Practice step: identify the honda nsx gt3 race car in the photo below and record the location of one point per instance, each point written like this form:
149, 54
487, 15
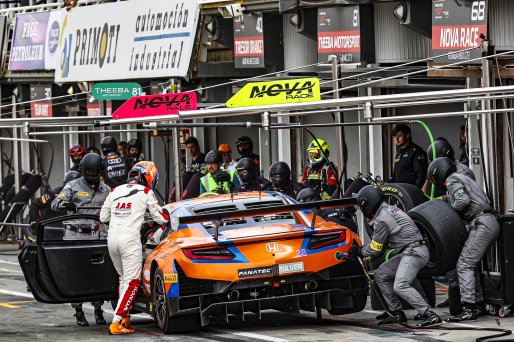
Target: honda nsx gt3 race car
220, 256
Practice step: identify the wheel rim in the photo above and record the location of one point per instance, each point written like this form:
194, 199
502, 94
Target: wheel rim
160, 300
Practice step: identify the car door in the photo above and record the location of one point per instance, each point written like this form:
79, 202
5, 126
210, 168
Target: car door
70, 261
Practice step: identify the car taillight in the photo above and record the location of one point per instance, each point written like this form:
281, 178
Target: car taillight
326, 239
209, 253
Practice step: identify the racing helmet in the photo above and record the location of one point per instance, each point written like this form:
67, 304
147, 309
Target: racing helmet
308, 195
76, 150
439, 170
244, 151
71, 175
246, 170
442, 149
369, 199
91, 167
109, 145
134, 143
213, 157
318, 149
145, 173
280, 175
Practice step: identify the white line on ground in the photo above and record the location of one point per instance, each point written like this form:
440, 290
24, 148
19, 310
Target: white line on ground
253, 335
465, 325
9, 262
15, 293
372, 311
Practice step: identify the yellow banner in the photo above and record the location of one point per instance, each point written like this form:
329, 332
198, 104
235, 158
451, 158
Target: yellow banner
276, 92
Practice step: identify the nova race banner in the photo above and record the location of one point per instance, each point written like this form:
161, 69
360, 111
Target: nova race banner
126, 40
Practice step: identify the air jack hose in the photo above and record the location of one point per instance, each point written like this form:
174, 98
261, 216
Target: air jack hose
502, 332
432, 142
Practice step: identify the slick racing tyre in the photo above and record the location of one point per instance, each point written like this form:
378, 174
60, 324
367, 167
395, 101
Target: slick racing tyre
404, 196
444, 232
167, 323
354, 188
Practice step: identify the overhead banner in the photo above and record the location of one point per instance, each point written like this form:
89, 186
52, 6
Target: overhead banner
34, 43
152, 105
276, 92
116, 91
127, 40
339, 34
41, 103
457, 26
248, 41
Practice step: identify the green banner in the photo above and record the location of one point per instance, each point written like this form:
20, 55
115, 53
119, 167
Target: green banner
116, 90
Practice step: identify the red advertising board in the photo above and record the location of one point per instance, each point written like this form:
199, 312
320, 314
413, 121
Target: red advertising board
457, 26
152, 105
41, 95
93, 108
248, 41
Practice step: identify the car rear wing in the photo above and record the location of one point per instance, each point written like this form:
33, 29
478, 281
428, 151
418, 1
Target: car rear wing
316, 206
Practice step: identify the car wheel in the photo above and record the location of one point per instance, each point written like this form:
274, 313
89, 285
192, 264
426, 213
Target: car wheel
170, 324
404, 196
359, 303
444, 232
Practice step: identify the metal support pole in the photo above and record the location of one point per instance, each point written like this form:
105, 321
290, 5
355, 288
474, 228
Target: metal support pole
176, 164
340, 157
16, 151
489, 134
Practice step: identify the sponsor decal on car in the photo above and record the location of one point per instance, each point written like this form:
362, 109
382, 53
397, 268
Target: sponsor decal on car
255, 272
293, 267
171, 278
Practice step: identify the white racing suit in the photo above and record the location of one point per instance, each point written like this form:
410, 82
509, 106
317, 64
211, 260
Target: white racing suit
124, 209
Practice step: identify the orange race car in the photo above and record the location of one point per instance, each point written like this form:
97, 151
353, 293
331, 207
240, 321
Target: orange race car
219, 256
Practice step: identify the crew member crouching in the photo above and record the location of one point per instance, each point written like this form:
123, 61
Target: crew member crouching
394, 228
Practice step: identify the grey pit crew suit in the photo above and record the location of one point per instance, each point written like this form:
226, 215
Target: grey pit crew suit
472, 204
453, 280
397, 277
125, 209
81, 193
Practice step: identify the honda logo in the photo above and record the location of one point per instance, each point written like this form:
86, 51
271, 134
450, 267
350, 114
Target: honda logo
272, 247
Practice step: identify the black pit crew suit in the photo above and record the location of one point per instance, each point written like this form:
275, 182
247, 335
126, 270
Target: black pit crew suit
81, 193
257, 184
410, 166
40, 208
115, 170
397, 277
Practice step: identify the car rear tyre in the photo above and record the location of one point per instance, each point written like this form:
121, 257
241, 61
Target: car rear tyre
404, 196
444, 232
170, 324
359, 303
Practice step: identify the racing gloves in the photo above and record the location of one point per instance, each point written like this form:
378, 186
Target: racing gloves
70, 206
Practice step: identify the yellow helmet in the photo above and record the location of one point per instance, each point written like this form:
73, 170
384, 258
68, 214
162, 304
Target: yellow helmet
315, 149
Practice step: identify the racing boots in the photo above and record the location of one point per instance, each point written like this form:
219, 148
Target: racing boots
398, 317
125, 321
117, 329
429, 319
467, 313
99, 316
382, 316
81, 319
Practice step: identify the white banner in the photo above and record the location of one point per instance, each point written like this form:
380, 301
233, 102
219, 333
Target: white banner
127, 40
52, 40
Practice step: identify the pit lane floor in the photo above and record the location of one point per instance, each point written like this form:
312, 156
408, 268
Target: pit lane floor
24, 319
